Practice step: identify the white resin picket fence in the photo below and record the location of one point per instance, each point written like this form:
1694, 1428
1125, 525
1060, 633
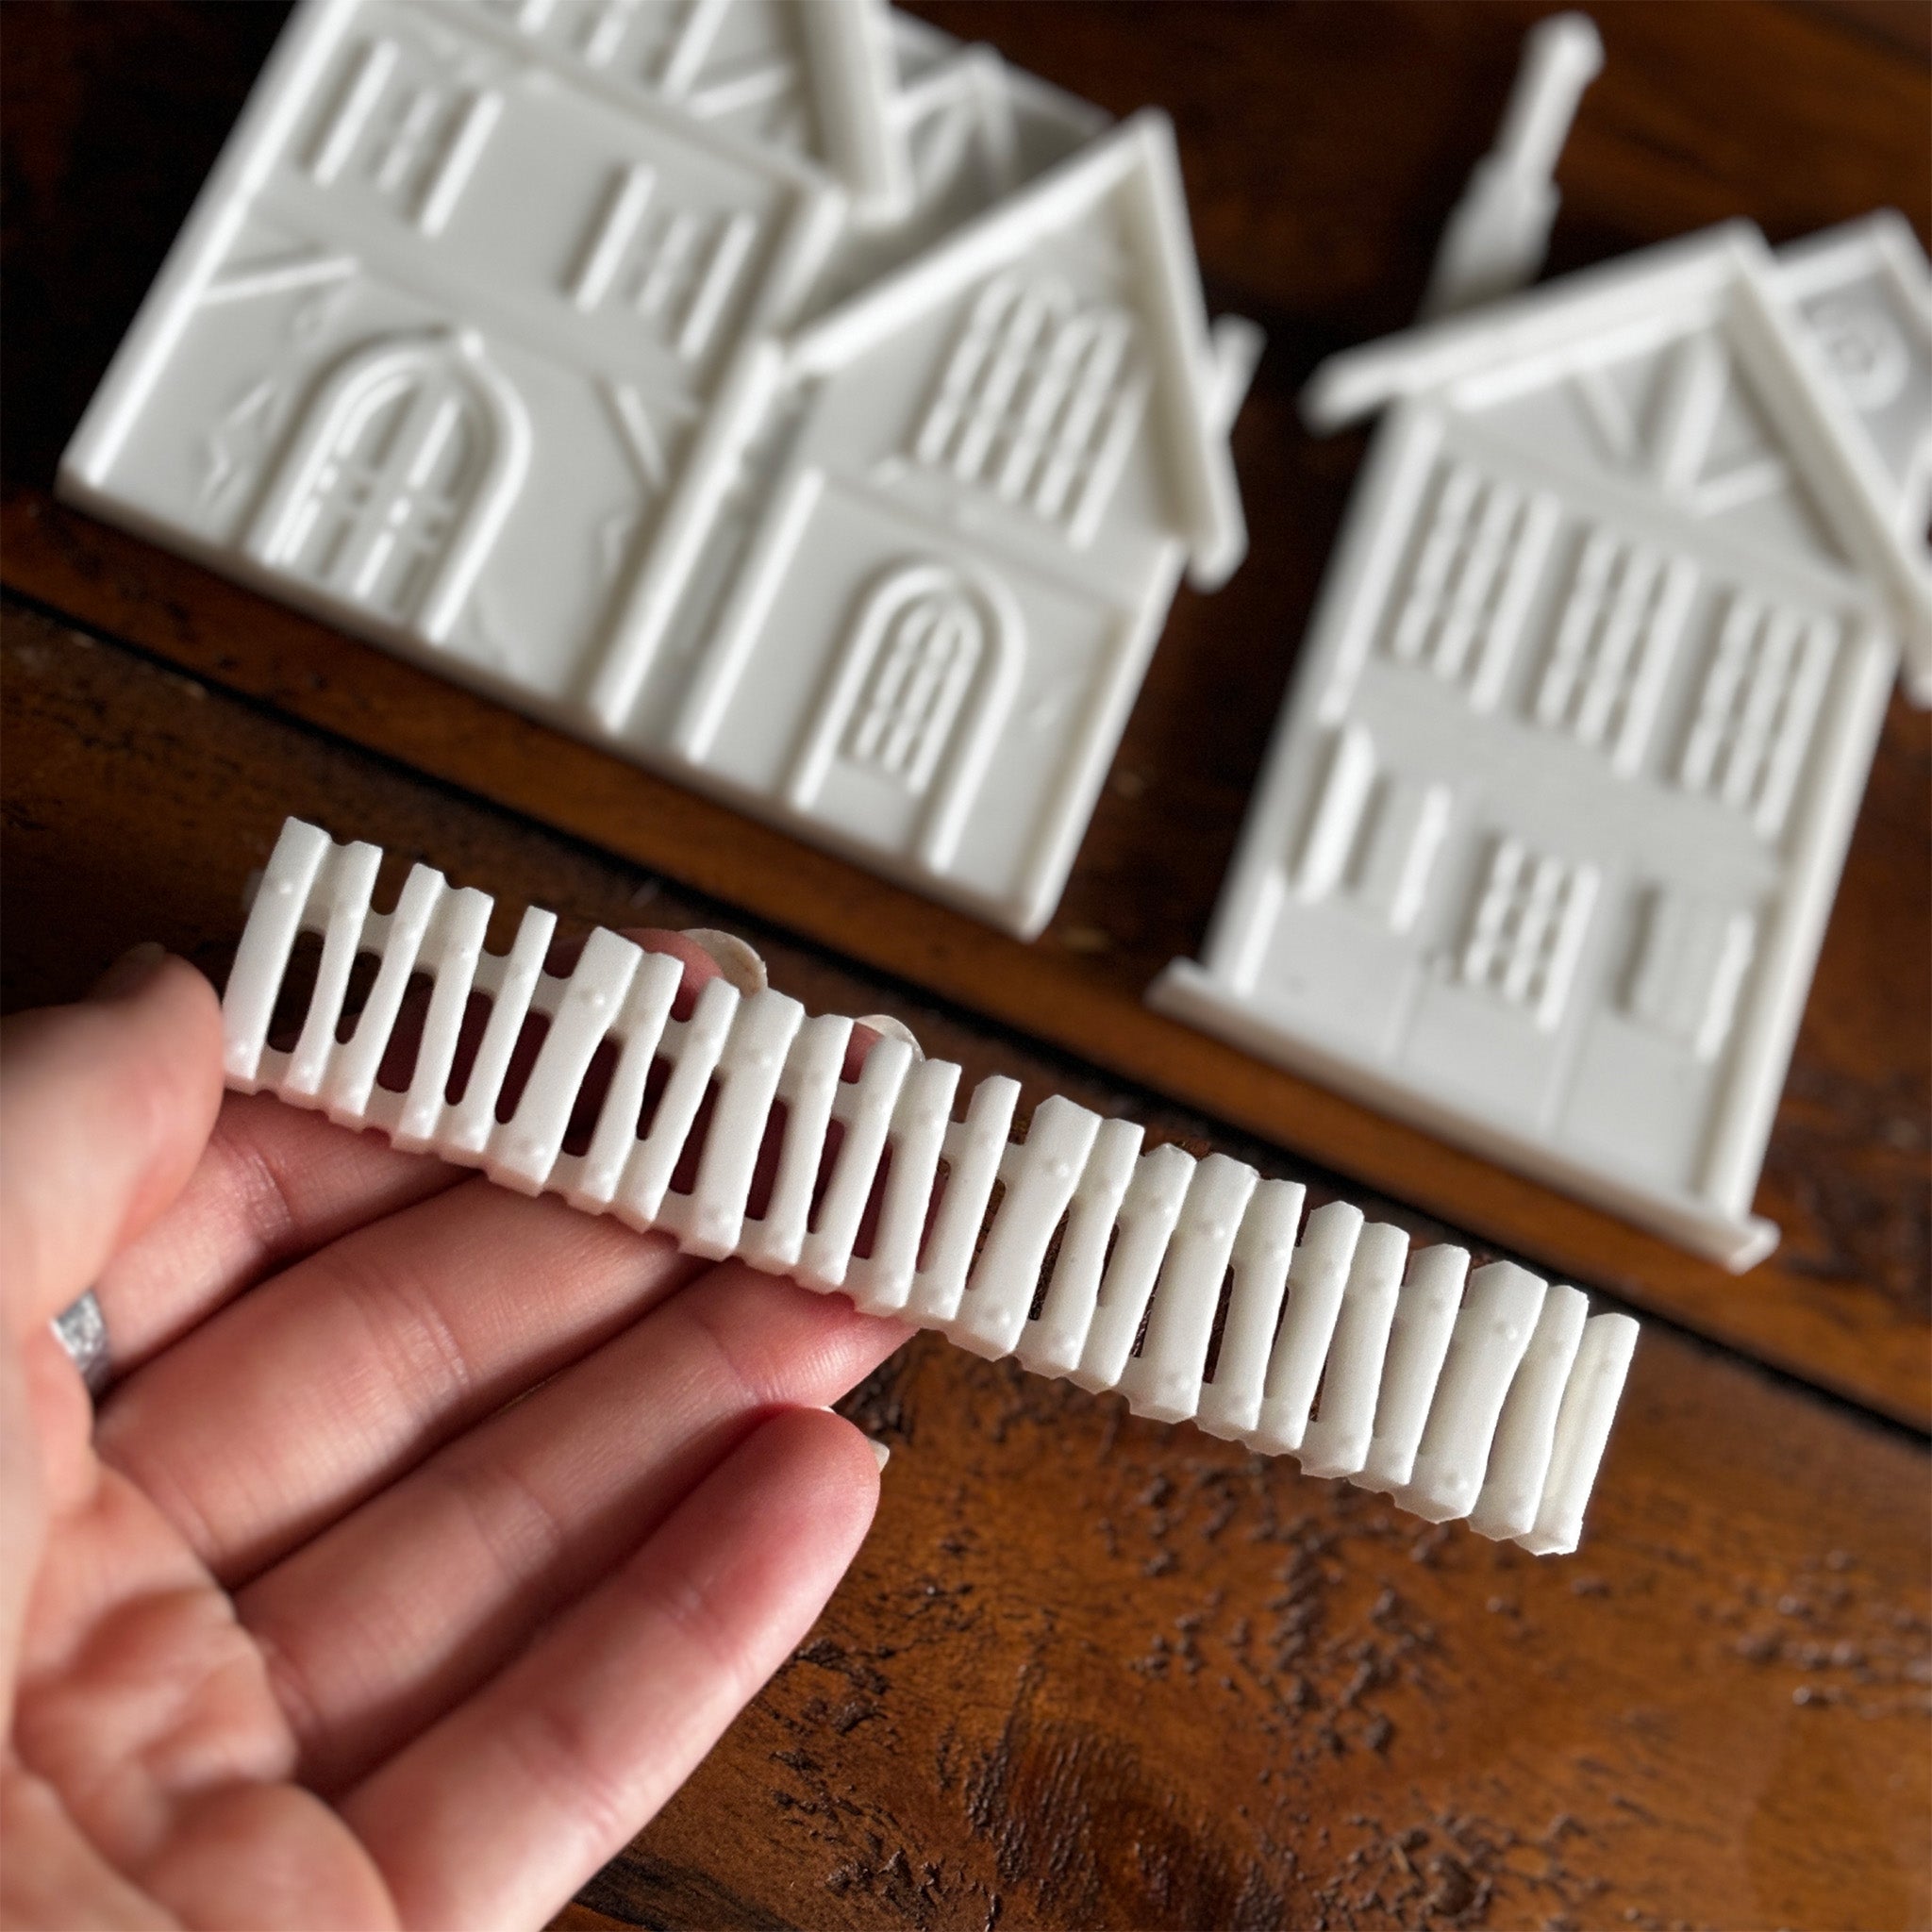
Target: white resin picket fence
1487, 1395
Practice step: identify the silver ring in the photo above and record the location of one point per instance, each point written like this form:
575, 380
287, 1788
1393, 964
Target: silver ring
81, 1331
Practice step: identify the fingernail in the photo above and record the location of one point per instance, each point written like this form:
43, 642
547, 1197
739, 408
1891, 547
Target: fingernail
880, 1452
741, 966
130, 971
894, 1029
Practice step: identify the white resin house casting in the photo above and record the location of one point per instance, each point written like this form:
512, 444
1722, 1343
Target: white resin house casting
773, 390
1546, 841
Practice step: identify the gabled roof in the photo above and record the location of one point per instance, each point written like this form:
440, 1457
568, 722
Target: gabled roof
1728, 267
1197, 385
1522, 328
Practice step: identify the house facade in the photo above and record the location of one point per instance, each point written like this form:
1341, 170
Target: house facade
1546, 841
1000, 462
515, 334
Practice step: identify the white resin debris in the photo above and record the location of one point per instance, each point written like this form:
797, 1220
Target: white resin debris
1544, 845
1178, 1282
794, 401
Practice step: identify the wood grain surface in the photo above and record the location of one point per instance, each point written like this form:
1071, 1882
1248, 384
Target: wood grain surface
1092, 1672
1087, 1672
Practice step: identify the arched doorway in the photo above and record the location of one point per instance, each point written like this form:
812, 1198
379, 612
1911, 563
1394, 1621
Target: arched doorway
920, 690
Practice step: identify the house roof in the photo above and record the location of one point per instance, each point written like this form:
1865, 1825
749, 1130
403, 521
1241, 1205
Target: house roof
1523, 327
1729, 266
1134, 166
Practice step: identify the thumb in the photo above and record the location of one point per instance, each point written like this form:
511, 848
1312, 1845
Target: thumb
104, 1109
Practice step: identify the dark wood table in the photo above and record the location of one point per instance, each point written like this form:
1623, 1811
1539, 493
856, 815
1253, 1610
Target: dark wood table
1088, 1672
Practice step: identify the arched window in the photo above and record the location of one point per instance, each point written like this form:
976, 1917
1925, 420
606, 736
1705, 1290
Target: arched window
920, 691
922, 668
397, 482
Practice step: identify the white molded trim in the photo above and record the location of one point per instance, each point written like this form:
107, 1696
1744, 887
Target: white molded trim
625, 658
281, 96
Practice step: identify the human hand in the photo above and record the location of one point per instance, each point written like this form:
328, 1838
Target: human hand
429, 1534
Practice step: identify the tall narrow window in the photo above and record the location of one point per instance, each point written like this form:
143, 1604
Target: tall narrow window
921, 669
397, 481
388, 493
1763, 690
676, 269
921, 684
1476, 561
1688, 968
414, 140
1614, 643
1039, 402
734, 65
